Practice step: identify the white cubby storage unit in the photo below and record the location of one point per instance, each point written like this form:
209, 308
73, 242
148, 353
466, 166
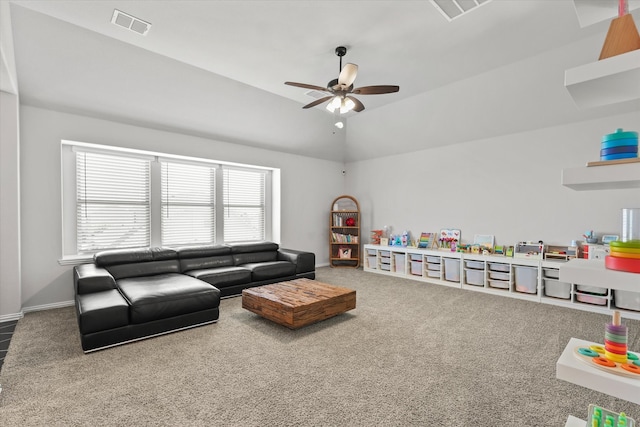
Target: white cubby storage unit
528, 279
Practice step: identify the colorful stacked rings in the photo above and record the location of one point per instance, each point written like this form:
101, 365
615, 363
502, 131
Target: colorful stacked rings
624, 256
619, 145
615, 343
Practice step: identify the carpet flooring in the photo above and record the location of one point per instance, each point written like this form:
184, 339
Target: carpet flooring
410, 354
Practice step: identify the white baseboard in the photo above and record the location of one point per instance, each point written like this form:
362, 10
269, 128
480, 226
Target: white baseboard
11, 317
47, 306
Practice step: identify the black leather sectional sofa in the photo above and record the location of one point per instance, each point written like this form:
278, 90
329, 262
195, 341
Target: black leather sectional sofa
131, 294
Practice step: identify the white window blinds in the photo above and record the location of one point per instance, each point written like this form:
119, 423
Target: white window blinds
112, 202
244, 205
188, 204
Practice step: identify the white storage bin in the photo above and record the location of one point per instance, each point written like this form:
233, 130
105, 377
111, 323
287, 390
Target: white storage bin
494, 266
557, 289
434, 274
526, 279
400, 262
433, 267
416, 268
372, 261
551, 273
385, 260
433, 259
478, 265
498, 275
500, 284
627, 300
474, 277
591, 299
386, 267
385, 253
371, 252
415, 257
592, 289
452, 270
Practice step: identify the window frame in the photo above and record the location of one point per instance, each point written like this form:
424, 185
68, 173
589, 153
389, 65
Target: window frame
68, 177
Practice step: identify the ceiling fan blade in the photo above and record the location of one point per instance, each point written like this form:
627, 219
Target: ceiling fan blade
306, 86
375, 90
348, 75
318, 101
359, 106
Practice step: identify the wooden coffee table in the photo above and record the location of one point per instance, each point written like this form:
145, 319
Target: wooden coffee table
299, 302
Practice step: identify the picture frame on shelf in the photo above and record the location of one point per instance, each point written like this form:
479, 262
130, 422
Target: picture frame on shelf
449, 237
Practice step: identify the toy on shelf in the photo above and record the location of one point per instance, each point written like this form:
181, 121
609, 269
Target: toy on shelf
376, 235
449, 239
531, 250
590, 237
615, 340
563, 253
601, 417
624, 256
614, 357
426, 240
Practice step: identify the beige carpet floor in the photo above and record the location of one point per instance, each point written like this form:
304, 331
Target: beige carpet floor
410, 354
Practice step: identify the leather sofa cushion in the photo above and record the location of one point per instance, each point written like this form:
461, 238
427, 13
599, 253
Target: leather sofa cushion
100, 311
206, 263
241, 248
187, 252
138, 262
270, 270
223, 277
167, 295
88, 278
128, 256
204, 257
254, 257
138, 269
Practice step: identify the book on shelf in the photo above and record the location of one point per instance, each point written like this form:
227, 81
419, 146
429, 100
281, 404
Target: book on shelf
343, 238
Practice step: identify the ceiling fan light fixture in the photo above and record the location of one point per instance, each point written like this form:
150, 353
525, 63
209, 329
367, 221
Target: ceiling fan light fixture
347, 105
343, 104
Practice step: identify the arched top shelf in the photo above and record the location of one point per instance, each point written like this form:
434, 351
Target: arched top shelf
345, 203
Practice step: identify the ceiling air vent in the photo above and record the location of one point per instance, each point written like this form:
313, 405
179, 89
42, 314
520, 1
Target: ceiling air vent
452, 9
316, 94
130, 22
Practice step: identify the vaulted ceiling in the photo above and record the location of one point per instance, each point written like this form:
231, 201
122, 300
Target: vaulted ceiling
216, 69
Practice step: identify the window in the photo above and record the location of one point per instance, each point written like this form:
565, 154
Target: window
244, 213
112, 202
118, 198
188, 204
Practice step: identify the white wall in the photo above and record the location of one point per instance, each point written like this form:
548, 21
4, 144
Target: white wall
308, 187
508, 186
10, 304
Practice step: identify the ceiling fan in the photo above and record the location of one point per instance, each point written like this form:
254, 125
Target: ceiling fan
341, 89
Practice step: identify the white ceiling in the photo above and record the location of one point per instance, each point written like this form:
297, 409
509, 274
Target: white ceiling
216, 69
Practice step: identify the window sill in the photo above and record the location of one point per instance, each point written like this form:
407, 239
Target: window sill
75, 259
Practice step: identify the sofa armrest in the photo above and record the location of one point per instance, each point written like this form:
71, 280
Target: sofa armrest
305, 261
87, 279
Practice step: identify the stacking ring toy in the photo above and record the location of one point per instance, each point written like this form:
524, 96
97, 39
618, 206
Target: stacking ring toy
631, 368
631, 356
603, 362
588, 352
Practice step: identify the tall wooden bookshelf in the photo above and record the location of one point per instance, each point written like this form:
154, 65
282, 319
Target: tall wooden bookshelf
344, 232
